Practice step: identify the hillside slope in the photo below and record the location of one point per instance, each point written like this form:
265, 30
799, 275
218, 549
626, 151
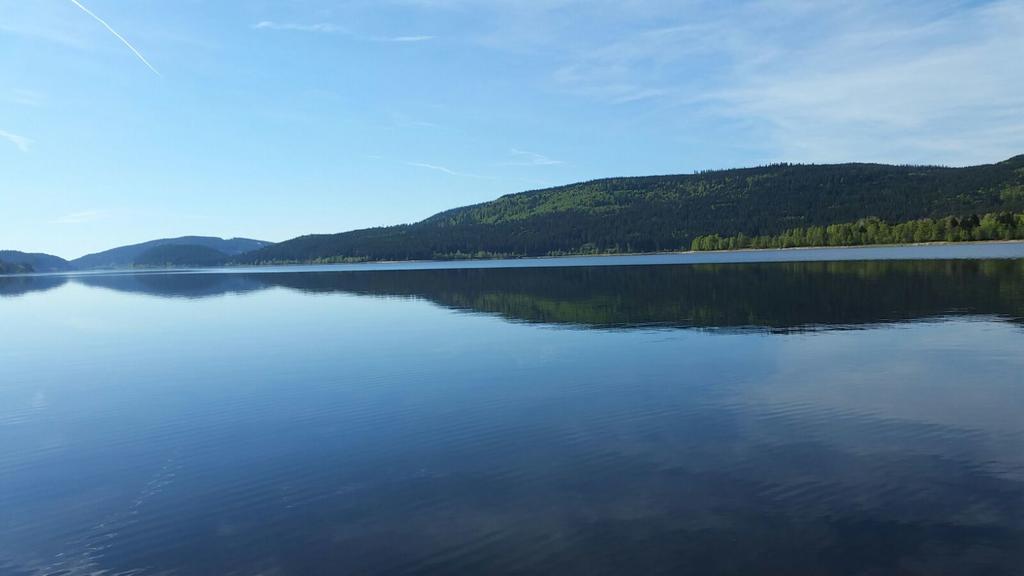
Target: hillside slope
180, 255
9, 268
654, 213
37, 262
127, 256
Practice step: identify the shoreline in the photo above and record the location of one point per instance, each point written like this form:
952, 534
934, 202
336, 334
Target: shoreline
850, 246
740, 255
621, 254
471, 261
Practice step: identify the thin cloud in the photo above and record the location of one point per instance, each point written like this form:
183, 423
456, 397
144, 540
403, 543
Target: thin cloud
79, 217
119, 37
903, 87
820, 82
406, 39
443, 169
21, 142
635, 94
527, 158
400, 120
26, 98
329, 28
321, 27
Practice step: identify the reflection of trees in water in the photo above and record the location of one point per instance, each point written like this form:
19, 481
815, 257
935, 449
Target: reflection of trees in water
18, 285
777, 296
176, 284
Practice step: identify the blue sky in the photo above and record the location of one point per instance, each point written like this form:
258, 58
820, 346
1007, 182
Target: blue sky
275, 118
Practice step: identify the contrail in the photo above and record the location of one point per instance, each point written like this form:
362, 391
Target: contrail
119, 37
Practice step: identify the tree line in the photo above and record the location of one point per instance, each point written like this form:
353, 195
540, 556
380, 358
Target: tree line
868, 231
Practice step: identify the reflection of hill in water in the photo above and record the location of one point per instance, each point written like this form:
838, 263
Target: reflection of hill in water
776, 296
176, 285
18, 285
165, 285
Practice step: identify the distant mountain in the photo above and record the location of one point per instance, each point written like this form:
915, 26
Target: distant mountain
201, 248
656, 213
180, 255
37, 262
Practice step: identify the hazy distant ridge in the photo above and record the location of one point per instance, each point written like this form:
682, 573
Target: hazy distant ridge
202, 248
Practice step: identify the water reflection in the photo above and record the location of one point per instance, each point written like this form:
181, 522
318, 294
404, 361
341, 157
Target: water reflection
11, 286
774, 296
365, 423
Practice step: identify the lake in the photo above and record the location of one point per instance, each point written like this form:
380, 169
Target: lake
857, 414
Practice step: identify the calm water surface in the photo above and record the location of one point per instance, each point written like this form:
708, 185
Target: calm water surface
742, 418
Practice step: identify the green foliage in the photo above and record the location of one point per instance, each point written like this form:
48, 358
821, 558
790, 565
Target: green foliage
1012, 193
660, 213
867, 231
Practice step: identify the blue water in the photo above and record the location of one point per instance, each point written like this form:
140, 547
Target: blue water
770, 418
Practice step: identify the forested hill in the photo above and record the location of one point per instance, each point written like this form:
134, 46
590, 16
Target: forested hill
35, 262
8, 268
656, 213
179, 255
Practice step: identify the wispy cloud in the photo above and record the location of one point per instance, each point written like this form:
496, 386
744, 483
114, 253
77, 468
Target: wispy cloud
527, 158
405, 38
444, 170
885, 83
21, 142
26, 98
321, 27
80, 217
401, 120
914, 81
118, 36
330, 28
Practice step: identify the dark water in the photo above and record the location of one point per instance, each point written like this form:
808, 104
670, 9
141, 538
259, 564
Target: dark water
775, 418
